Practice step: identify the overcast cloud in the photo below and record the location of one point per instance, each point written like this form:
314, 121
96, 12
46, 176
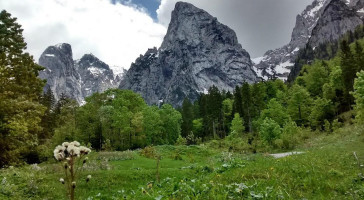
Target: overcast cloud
118, 34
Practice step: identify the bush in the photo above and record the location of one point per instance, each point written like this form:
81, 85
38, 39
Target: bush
149, 152
192, 140
327, 126
269, 130
289, 135
177, 155
107, 145
181, 141
336, 125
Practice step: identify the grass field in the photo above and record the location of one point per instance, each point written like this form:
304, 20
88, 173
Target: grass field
327, 170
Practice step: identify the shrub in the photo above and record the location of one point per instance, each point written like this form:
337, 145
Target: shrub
269, 130
181, 140
192, 140
289, 136
149, 152
336, 125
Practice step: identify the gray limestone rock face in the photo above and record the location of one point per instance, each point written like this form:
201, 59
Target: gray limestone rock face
197, 53
75, 79
96, 75
60, 72
337, 19
322, 21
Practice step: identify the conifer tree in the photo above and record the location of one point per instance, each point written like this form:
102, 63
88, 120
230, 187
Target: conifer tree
187, 117
20, 89
237, 127
359, 56
238, 105
247, 105
348, 71
359, 97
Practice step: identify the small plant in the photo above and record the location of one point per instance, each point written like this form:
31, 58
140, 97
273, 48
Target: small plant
74, 158
181, 141
192, 140
176, 155
148, 152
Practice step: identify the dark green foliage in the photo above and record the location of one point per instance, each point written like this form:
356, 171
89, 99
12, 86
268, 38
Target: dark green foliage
238, 99
187, 117
247, 105
48, 122
20, 89
359, 97
122, 120
348, 69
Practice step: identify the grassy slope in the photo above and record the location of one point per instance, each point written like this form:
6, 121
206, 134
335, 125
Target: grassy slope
327, 170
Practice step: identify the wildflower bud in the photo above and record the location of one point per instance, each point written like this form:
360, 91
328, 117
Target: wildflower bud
73, 184
61, 180
88, 178
65, 165
84, 161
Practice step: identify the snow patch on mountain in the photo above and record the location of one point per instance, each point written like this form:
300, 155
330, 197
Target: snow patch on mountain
96, 71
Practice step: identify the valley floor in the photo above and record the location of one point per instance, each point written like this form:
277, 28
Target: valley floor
327, 170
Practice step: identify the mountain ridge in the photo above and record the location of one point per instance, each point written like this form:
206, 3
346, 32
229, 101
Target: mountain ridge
311, 30
76, 79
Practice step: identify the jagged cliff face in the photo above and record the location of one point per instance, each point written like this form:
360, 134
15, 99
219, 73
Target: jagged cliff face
322, 21
96, 76
60, 72
337, 19
76, 79
197, 53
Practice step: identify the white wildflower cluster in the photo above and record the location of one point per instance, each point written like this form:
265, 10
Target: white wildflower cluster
70, 149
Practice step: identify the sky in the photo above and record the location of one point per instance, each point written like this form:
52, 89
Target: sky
118, 31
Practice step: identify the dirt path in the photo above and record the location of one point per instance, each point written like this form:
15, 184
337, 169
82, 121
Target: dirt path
281, 155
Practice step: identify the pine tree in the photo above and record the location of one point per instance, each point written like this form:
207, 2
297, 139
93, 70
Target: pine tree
187, 117
49, 118
20, 89
359, 56
238, 101
348, 71
258, 97
214, 110
247, 105
299, 104
359, 97
237, 126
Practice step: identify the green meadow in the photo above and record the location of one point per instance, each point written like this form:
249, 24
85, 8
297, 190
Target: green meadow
327, 169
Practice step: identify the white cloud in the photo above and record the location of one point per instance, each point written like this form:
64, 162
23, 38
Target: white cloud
117, 34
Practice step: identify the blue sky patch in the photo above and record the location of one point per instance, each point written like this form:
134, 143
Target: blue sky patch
150, 5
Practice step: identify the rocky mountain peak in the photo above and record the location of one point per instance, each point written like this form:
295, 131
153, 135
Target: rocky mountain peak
194, 26
197, 52
75, 79
322, 21
89, 60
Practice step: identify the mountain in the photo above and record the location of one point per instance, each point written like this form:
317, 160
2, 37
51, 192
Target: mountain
76, 79
322, 21
196, 53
